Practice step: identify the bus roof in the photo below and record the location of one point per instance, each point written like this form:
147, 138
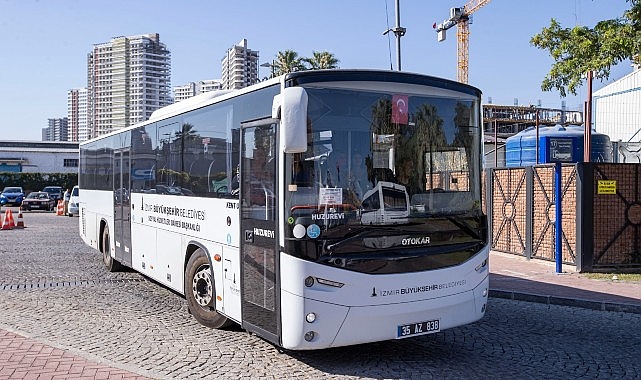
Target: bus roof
313, 76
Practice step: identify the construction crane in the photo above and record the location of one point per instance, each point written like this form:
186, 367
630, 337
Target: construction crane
461, 18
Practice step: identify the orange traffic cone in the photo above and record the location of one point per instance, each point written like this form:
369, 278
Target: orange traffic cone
20, 221
8, 222
60, 210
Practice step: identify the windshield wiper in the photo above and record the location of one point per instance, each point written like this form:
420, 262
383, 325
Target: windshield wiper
360, 234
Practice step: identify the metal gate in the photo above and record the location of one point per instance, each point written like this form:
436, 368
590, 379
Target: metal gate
522, 211
507, 209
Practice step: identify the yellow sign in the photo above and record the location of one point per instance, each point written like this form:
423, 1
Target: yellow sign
606, 187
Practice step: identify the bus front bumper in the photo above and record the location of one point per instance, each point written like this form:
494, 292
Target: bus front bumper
335, 325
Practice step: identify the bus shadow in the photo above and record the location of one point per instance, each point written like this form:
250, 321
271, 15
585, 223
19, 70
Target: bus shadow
394, 359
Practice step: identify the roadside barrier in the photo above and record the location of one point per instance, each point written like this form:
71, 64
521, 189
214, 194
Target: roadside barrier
60, 210
20, 220
8, 223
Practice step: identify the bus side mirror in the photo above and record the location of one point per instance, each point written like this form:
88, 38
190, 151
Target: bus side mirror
290, 106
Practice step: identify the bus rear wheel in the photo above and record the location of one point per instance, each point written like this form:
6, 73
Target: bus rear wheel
200, 292
110, 263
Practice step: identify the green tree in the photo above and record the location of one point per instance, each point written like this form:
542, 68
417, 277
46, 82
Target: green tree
581, 49
321, 60
286, 62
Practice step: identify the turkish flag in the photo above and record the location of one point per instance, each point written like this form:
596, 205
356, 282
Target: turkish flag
399, 109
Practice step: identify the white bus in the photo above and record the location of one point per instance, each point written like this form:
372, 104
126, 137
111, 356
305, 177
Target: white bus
386, 203
245, 203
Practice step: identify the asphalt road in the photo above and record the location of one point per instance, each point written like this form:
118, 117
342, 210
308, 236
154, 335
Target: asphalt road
54, 288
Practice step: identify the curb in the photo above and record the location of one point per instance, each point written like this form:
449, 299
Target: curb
562, 301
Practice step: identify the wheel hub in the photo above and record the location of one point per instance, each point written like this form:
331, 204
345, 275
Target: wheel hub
202, 287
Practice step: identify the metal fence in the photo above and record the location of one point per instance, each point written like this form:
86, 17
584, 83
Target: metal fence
609, 221
521, 211
601, 214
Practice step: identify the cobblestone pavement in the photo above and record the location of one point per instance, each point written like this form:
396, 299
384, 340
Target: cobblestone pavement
54, 289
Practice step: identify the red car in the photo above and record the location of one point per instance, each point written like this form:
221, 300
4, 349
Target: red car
38, 200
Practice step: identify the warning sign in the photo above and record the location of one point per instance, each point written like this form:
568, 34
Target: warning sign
606, 187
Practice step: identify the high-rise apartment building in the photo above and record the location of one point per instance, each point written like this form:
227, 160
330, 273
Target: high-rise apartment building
195, 88
127, 79
77, 115
57, 130
239, 67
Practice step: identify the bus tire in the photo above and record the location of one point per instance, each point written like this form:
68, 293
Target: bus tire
201, 293
111, 264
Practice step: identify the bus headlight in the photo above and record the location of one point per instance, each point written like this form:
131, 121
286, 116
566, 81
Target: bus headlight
335, 284
310, 317
309, 336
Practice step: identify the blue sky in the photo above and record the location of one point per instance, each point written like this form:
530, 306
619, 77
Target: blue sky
45, 43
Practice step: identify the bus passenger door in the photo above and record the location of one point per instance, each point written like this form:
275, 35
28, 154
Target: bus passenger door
122, 208
260, 280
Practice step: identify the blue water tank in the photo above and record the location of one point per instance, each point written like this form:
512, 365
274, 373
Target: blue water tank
556, 144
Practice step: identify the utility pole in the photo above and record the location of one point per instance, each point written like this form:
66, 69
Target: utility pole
398, 32
587, 134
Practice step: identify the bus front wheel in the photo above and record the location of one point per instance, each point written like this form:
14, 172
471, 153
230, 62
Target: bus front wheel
110, 263
200, 292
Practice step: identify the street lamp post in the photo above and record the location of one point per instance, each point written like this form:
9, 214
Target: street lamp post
398, 32
271, 67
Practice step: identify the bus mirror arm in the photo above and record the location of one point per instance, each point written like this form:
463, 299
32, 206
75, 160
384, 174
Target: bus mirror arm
290, 106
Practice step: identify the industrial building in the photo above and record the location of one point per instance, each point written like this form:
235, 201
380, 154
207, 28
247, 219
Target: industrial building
617, 113
617, 108
38, 157
503, 121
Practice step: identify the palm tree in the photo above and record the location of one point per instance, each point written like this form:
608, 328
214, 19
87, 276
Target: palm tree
286, 62
321, 60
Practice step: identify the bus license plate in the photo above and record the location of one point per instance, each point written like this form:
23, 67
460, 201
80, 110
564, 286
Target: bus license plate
418, 328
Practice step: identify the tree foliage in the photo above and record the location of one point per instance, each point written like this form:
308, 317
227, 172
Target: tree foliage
580, 49
321, 60
37, 181
288, 61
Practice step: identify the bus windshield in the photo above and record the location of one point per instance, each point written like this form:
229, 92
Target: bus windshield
384, 170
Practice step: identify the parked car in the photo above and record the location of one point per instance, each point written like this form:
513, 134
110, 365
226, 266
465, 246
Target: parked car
11, 196
55, 192
38, 200
73, 207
